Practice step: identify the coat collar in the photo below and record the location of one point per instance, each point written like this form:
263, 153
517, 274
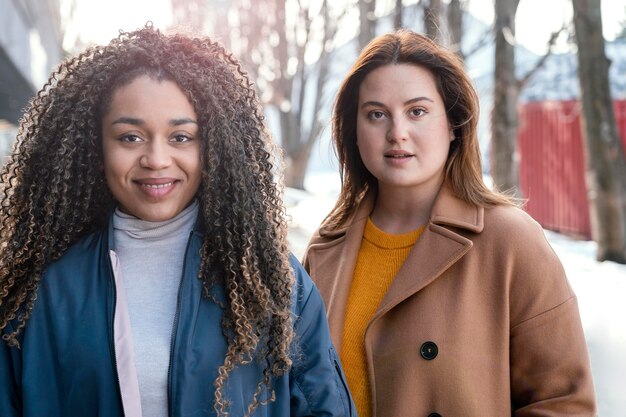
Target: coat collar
448, 210
440, 246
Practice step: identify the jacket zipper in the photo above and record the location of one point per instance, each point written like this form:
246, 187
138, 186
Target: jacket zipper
174, 329
117, 375
345, 387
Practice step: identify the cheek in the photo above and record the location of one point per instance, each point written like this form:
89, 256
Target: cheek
116, 166
366, 137
193, 166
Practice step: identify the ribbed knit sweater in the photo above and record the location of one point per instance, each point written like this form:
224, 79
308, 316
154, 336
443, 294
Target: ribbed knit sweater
380, 257
151, 256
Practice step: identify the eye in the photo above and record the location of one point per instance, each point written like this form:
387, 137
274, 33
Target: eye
130, 139
181, 138
375, 115
417, 112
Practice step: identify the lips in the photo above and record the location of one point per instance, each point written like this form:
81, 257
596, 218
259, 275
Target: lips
156, 187
167, 184
398, 154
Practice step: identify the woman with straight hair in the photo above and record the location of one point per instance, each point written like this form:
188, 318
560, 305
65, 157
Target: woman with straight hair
443, 297
144, 268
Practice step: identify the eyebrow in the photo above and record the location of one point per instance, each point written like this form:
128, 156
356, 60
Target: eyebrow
411, 101
138, 122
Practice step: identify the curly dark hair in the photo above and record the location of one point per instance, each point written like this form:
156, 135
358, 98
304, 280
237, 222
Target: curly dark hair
53, 190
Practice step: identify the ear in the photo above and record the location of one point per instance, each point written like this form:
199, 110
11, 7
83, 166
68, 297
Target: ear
451, 131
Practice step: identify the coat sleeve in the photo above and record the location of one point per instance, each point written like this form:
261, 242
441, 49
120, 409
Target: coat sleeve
318, 385
10, 402
550, 373
550, 369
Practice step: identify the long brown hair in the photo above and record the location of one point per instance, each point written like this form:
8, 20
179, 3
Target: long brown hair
53, 190
463, 171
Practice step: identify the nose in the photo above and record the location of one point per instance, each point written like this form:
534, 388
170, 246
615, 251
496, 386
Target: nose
398, 130
156, 156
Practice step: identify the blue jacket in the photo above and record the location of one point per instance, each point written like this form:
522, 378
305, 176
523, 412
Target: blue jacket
74, 357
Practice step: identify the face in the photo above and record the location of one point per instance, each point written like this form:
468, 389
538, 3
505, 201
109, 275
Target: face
151, 149
403, 134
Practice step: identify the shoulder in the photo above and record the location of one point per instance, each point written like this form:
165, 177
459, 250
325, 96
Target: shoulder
83, 256
514, 231
510, 217
518, 249
303, 283
510, 232
324, 237
329, 234
304, 287
308, 305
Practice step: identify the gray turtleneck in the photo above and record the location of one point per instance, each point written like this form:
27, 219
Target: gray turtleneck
151, 256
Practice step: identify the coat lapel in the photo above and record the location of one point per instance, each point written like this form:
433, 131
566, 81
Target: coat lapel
335, 263
437, 249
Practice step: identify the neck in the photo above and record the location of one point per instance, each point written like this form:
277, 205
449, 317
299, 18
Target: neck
400, 210
136, 228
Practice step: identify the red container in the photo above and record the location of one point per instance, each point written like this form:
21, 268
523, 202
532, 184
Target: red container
552, 164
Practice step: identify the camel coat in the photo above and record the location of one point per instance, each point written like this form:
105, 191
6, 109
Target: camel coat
479, 321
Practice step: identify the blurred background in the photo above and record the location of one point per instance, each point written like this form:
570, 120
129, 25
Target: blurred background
551, 77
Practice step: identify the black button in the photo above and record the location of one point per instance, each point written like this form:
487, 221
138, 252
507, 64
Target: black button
429, 351
434, 415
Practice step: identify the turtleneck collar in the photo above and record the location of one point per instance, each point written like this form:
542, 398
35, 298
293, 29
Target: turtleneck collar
136, 228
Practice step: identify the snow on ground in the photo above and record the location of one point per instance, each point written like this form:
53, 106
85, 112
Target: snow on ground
600, 287
601, 291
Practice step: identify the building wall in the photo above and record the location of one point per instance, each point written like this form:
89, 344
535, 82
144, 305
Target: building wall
15, 37
30, 47
30, 35
552, 164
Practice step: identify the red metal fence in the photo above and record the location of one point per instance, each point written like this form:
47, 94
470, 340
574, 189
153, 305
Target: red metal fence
552, 164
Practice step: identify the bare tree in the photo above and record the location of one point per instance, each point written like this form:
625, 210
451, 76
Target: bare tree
432, 19
506, 91
286, 49
606, 163
507, 88
367, 18
455, 25
455, 30
397, 14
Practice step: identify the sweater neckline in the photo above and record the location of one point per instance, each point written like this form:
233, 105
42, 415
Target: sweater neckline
142, 229
386, 240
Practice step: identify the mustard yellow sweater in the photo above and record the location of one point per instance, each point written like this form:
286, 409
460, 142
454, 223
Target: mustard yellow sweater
380, 257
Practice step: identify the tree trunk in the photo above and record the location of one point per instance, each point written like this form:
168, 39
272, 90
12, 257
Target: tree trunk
432, 21
506, 90
397, 15
367, 19
455, 26
606, 163
295, 170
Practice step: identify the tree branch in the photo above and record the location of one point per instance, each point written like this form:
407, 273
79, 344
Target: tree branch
541, 62
482, 41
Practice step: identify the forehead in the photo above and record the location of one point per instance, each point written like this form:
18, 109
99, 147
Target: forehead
398, 80
146, 93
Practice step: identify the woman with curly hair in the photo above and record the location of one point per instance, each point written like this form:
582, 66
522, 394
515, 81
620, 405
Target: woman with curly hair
444, 299
144, 269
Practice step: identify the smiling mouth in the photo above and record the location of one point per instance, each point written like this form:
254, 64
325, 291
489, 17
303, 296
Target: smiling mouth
155, 186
